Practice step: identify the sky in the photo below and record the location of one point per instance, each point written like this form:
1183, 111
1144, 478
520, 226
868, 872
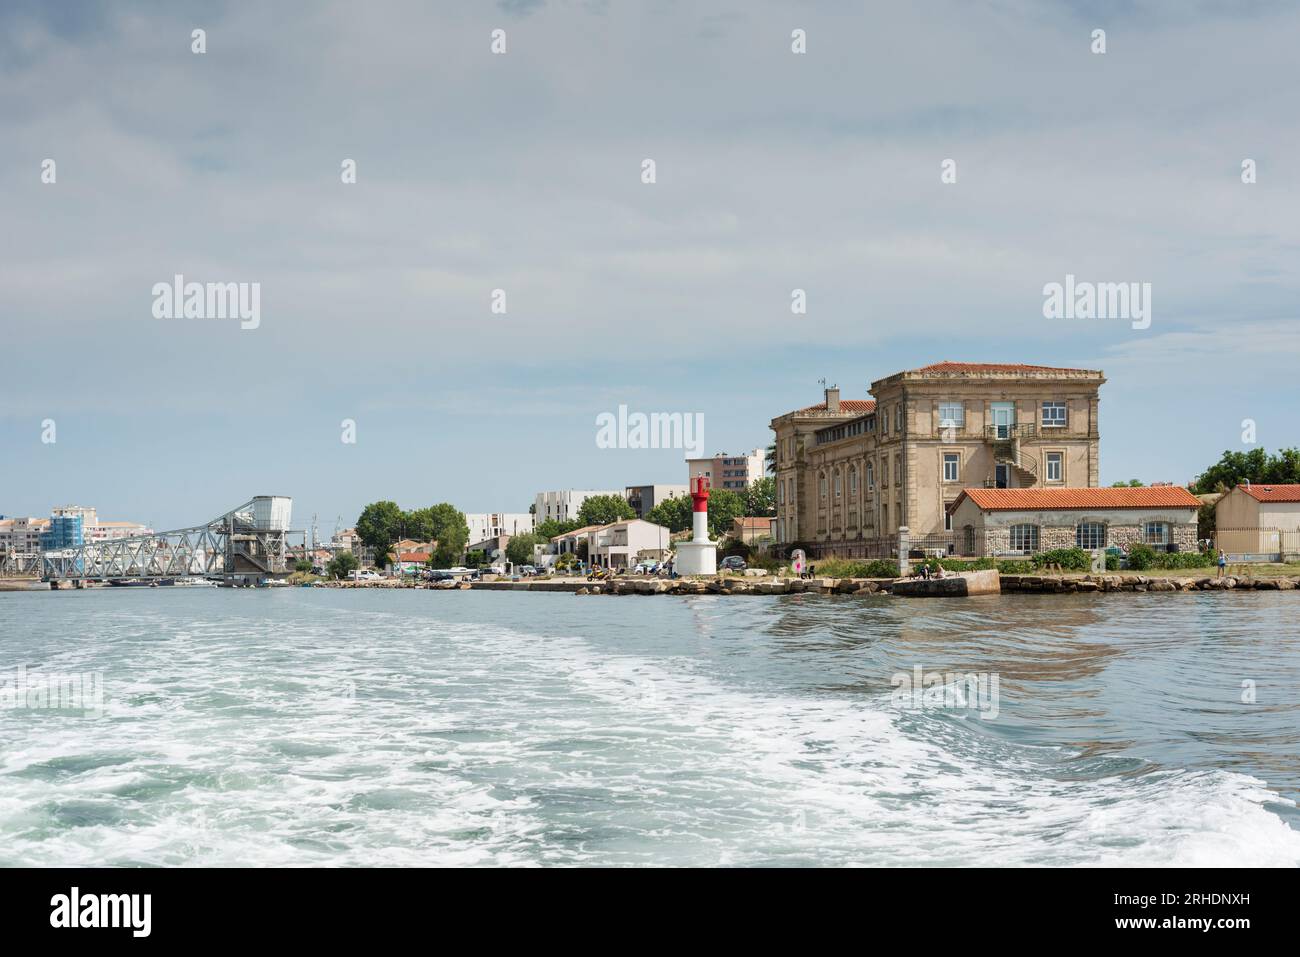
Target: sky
523, 172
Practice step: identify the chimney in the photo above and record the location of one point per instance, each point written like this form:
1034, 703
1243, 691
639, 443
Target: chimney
833, 399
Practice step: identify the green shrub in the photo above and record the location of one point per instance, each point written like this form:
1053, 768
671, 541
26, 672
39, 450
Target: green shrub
1112, 563
1141, 557
1016, 566
1184, 560
1070, 559
851, 568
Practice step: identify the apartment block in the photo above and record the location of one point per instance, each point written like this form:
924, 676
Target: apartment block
643, 498
734, 472
563, 505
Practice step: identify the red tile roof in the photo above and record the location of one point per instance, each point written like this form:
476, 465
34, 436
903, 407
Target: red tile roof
1272, 493
846, 405
992, 367
414, 557
1044, 499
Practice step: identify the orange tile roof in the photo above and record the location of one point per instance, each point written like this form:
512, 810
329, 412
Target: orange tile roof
413, 557
1272, 493
846, 405
576, 531
1043, 499
992, 367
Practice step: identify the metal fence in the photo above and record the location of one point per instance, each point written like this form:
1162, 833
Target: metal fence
1259, 544
964, 544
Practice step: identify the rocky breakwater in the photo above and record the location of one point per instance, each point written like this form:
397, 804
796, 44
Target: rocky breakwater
1136, 583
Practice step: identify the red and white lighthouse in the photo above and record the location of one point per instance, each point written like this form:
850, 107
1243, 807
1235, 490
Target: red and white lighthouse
699, 556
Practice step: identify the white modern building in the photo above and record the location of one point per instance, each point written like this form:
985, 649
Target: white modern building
563, 506
619, 545
485, 525
733, 472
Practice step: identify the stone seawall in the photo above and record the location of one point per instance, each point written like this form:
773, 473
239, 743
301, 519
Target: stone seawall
964, 585
1109, 583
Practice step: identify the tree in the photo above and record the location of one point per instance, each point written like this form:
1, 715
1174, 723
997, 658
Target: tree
341, 565
672, 513
1255, 466
1131, 483
769, 459
724, 507
604, 509
520, 548
552, 527
302, 565
760, 497
379, 525
449, 529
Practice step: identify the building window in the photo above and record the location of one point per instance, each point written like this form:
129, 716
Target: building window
952, 415
1024, 538
1055, 466
950, 466
1090, 535
1053, 415
871, 476
1156, 533
837, 483
898, 417
947, 518
884, 517
853, 481
898, 470
823, 487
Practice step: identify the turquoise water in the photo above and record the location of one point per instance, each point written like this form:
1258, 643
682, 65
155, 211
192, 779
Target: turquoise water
312, 726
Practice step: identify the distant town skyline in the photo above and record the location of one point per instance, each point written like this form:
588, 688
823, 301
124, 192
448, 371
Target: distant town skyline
775, 172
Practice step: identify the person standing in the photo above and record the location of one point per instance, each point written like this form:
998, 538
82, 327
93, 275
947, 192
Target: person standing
1223, 563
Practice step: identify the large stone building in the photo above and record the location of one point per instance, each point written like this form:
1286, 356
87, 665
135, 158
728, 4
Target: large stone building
850, 472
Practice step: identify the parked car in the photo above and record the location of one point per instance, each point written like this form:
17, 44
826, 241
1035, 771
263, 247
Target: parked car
732, 563
367, 576
527, 570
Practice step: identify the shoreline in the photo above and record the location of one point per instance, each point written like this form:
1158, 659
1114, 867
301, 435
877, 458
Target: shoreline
1008, 584
962, 585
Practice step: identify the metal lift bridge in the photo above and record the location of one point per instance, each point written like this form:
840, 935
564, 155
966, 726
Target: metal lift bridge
243, 546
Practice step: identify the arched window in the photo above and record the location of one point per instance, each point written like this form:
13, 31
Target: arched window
1024, 538
1090, 535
